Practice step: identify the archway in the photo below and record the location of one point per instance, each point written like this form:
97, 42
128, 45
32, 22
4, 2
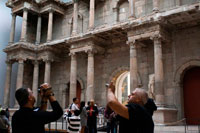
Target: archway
191, 91
78, 92
123, 87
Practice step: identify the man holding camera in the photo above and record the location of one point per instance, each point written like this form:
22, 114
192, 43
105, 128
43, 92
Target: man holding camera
28, 120
133, 118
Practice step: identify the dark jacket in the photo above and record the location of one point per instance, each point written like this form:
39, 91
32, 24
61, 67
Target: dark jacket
150, 106
26, 120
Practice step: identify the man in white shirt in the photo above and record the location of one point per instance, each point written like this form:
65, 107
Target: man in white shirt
75, 105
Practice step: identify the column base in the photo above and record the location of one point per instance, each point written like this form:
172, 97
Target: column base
165, 116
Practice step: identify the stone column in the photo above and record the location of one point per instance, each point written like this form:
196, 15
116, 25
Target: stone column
50, 26
115, 14
24, 25
178, 2
75, 18
73, 77
90, 76
156, 5
133, 66
158, 70
7, 83
47, 73
20, 74
92, 13
132, 8
38, 34
12, 32
35, 78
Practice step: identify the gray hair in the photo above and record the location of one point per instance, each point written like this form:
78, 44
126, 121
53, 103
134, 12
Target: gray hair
142, 95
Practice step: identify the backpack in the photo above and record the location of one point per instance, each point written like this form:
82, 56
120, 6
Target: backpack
70, 113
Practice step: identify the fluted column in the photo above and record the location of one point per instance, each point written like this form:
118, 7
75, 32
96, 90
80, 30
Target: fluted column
156, 5
75, 17
35, 78
24, 25
132, 8
92, 13
7, 83
158, 69
12, 32
38, 34
20, 73
133, 66
50, 26
47, 73
90, 76
73, 77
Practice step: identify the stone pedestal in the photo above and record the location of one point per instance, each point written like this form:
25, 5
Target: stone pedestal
165, 116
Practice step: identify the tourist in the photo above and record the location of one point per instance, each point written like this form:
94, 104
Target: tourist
4, 122
74, 122
74, 105
133, 118
110, 115
28, 120
92, 112
83, 116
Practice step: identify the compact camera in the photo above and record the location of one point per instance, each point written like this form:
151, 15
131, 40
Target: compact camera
43, 90
107, 85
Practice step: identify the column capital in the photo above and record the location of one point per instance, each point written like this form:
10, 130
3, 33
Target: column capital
156, 37
9, 62
13, 14
91, 52
50, 10
48, 60
25, 9
35, 62
21, 61
134, 44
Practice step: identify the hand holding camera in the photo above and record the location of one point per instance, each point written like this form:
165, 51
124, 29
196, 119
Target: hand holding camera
45, 90
111, 86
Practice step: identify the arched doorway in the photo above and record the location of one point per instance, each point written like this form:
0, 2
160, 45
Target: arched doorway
123, 87
78, 91
191, 92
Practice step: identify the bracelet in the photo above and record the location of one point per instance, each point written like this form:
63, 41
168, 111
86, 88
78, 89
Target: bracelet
43, 102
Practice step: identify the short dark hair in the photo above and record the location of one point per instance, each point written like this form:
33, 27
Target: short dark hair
74, 99
3, 112
77, 112
22, 96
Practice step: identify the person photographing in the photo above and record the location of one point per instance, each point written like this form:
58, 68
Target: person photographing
28, 120
133, 117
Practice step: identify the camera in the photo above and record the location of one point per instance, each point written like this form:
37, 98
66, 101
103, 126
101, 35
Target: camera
107, 85
42, 89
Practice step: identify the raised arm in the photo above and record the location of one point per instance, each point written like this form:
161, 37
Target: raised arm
114, 104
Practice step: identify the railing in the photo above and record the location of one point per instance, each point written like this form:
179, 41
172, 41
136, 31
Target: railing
181, 126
